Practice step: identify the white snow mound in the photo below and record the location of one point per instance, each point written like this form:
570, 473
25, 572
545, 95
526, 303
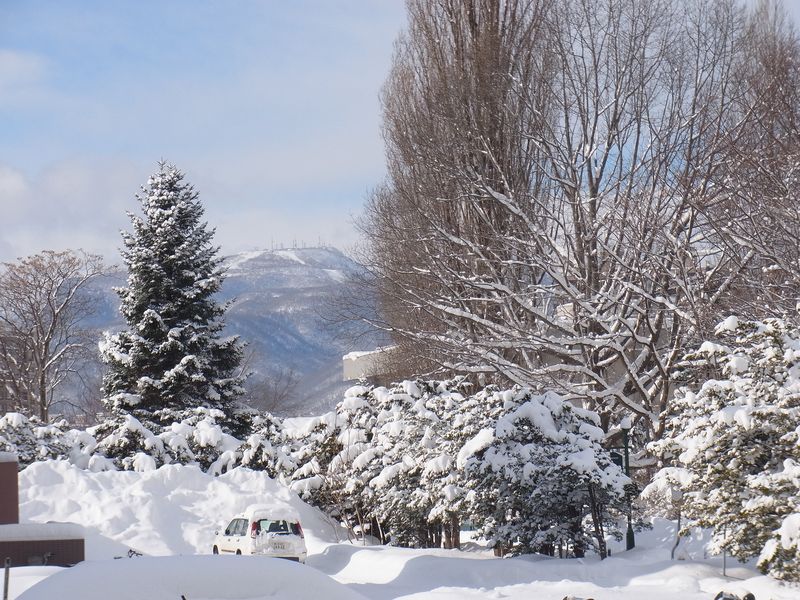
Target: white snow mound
173, 510
168, 578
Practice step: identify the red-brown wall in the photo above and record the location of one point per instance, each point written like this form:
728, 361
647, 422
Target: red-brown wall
9, 493
59, 553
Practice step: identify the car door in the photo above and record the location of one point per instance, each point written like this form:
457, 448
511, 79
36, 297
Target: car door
242, 540
229, 541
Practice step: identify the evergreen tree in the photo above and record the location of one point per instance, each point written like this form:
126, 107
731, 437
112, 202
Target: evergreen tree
737, 437
172, 356
539, 473
405, 433
326, 474
32, 440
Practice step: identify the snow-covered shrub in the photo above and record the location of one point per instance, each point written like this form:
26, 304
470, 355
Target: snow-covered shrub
266, 449
409, 463
410, 471
664, 495
324, 455
125, 441
780, 491
406, 437
198, 436
195, 436
738, 439
460, 417
538, 473
31, 440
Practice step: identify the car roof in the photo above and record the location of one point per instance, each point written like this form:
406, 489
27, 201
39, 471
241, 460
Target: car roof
273, 512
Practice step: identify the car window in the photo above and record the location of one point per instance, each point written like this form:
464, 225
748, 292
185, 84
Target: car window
231, 528
271, 526
242, 528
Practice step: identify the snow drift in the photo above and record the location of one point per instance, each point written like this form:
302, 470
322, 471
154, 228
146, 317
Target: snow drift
168, 578
172, 510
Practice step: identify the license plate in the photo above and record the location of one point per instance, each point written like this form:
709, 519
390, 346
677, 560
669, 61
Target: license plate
279, 546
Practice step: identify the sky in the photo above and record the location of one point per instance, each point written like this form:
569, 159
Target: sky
270, 107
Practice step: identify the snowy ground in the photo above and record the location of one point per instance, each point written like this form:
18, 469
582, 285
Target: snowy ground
174, 512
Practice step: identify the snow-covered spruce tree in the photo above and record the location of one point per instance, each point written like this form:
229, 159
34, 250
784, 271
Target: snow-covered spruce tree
325, 451
738, 438
172, 357
407, 434
536, 476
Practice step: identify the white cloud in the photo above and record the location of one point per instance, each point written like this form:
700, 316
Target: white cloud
272, 111
20, 67
13, 187
68, 205
84, 204
21, 77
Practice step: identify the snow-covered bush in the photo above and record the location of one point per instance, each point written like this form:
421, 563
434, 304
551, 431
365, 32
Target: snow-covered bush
31, 440
195, 436
198, 436
536, 476
381, 462
406, 453
411, 462
738, 437
266, 447
325, 451
413, 474
129, 445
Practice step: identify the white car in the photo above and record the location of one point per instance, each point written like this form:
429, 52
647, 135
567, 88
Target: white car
263, 530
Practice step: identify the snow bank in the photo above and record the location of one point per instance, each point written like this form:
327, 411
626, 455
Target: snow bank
23, 578
193, 577
172, 510
646, 572
173, 507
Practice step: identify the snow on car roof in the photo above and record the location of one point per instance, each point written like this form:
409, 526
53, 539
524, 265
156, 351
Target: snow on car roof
272, 511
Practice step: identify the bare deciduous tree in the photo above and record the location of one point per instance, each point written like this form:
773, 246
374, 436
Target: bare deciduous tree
273, 392
552, 168
42, 312
757, 214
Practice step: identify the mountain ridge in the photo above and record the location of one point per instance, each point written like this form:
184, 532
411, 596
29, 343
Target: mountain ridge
277, 300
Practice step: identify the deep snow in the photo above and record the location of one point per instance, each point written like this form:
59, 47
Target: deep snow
175, 511
193, 577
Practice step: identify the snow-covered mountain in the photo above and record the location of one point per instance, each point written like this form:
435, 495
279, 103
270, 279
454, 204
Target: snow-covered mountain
280, 304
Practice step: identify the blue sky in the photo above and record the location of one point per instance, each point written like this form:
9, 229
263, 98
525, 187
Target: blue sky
270, 106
